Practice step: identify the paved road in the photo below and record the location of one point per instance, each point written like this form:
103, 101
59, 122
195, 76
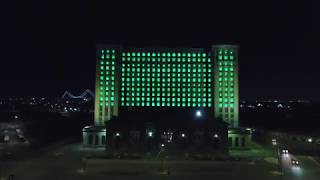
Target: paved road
64, 163
68, 168
188, 170
309, 169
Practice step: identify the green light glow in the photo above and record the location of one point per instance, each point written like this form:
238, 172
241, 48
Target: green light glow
176, 77
106, 77
183, 79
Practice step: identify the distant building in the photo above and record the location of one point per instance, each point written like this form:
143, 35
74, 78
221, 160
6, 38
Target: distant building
165, 78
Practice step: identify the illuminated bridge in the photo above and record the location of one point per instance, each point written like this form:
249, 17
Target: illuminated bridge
87, 94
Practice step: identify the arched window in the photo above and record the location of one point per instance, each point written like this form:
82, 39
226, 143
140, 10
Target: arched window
243, 142
90, 139
237, 142
97, 140
103, 140
230, 141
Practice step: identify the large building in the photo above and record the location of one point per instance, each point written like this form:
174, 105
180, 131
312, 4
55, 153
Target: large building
196, 78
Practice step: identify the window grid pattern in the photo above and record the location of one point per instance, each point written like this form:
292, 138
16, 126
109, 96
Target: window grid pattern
226, 80
175, 79
107, 77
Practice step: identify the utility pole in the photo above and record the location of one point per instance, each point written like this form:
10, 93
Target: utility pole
280, 168
163, 168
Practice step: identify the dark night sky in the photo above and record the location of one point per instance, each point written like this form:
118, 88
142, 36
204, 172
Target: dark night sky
50, 44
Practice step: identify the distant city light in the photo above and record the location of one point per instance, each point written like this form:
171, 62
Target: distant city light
251, 106
117, 134
183, 135
280, 106
215, 136
274, 143
162, 145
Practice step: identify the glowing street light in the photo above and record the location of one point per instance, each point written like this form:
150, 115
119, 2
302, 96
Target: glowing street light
198, 113
183, 135
150, 134
117, 134
310, 140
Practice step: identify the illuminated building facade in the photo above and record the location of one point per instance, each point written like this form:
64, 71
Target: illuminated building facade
166, 78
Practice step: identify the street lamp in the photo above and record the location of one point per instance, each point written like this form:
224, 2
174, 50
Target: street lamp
150, 134
198, 113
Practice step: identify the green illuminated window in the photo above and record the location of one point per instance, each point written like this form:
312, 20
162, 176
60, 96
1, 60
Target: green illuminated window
168, 81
